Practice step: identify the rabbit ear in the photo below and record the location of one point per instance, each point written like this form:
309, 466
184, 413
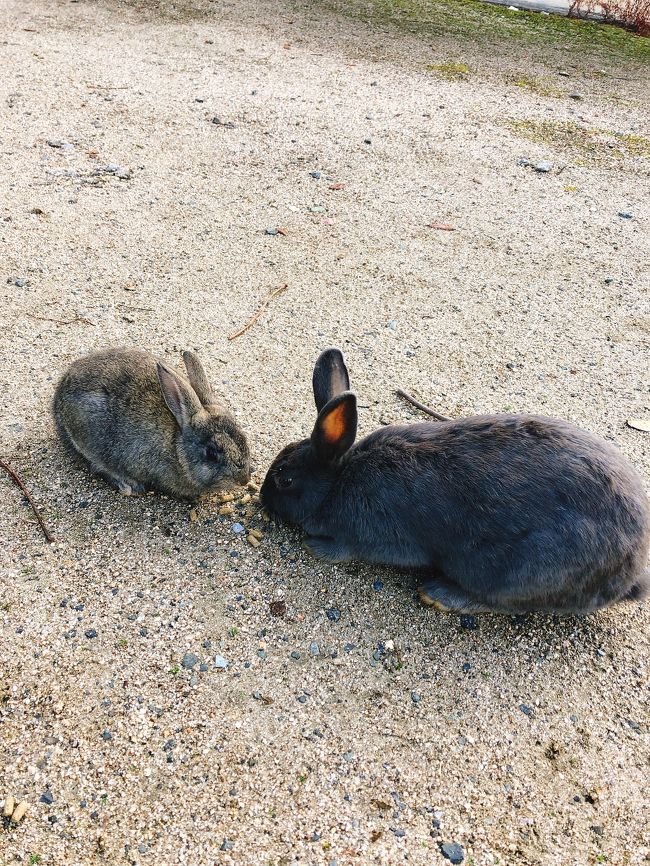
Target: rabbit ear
198, 379
336, 427
180, 402
330, 376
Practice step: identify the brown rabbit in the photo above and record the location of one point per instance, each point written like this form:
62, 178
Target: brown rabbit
143, 426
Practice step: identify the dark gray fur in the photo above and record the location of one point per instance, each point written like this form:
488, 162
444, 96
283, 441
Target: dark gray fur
506, 513
143, 426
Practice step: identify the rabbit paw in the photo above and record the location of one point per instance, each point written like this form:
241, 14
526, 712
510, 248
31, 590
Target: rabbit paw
426, 599
327, 548
447, 597
128, 487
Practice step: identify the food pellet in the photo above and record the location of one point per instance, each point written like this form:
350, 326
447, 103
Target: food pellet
257, 533
254, 542
19, 812
9, 806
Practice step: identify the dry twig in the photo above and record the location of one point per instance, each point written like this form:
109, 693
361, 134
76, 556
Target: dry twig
18, 482
261, 309
74, 321
421, 406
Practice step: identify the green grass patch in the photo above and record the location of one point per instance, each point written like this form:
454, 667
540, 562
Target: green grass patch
485, 23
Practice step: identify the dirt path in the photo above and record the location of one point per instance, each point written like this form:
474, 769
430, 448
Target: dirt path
356, 728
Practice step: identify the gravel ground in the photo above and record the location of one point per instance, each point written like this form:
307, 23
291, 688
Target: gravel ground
170, 695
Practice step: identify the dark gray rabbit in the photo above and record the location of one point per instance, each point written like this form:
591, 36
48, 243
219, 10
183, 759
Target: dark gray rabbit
506, 513
143, 426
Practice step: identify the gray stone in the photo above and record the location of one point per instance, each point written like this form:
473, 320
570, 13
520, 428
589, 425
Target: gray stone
453, 852
189, 661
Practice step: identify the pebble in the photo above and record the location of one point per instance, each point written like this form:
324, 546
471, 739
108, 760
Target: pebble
466, 667
238, 528
468, 622
142, 848
543, 167
453, 852
46, 798
295, 655
199, 99
189, 661
416, 697
302, 699
399, 832
107, 736
367, 141
227, 845
576, 96
20, 282
314, 649
333, 614
90, 633
378, 585
527, 711
392, 325
624, 214
315, 174
270, 231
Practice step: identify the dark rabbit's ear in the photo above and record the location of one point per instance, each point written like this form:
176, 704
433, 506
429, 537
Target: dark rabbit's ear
179, 401
198, 379
336, 427
330, 377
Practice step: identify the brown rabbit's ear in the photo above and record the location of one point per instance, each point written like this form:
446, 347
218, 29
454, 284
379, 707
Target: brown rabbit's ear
198, 379
330, 377
179, 401
336, 427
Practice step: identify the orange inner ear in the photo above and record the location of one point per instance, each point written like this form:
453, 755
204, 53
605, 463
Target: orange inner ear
334, 424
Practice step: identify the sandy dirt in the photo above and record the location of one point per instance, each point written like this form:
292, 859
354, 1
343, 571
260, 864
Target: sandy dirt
355, 727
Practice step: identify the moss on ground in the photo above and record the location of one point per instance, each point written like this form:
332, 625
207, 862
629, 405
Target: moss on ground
591, 146
541, 86
450, 71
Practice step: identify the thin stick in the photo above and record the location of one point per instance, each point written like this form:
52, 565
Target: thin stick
17, 481
61, 321
261, 309
421, 406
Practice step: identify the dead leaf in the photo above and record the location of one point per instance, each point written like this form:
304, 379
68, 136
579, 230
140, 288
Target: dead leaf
381, 805
375, 835
336, 186
287, 45
266, 700
642, 424
278, 608
282, 231
445, 227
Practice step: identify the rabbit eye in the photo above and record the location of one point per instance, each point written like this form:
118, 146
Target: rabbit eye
212, 452
284, 481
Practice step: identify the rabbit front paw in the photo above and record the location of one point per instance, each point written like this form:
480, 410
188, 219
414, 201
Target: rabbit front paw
327, 548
